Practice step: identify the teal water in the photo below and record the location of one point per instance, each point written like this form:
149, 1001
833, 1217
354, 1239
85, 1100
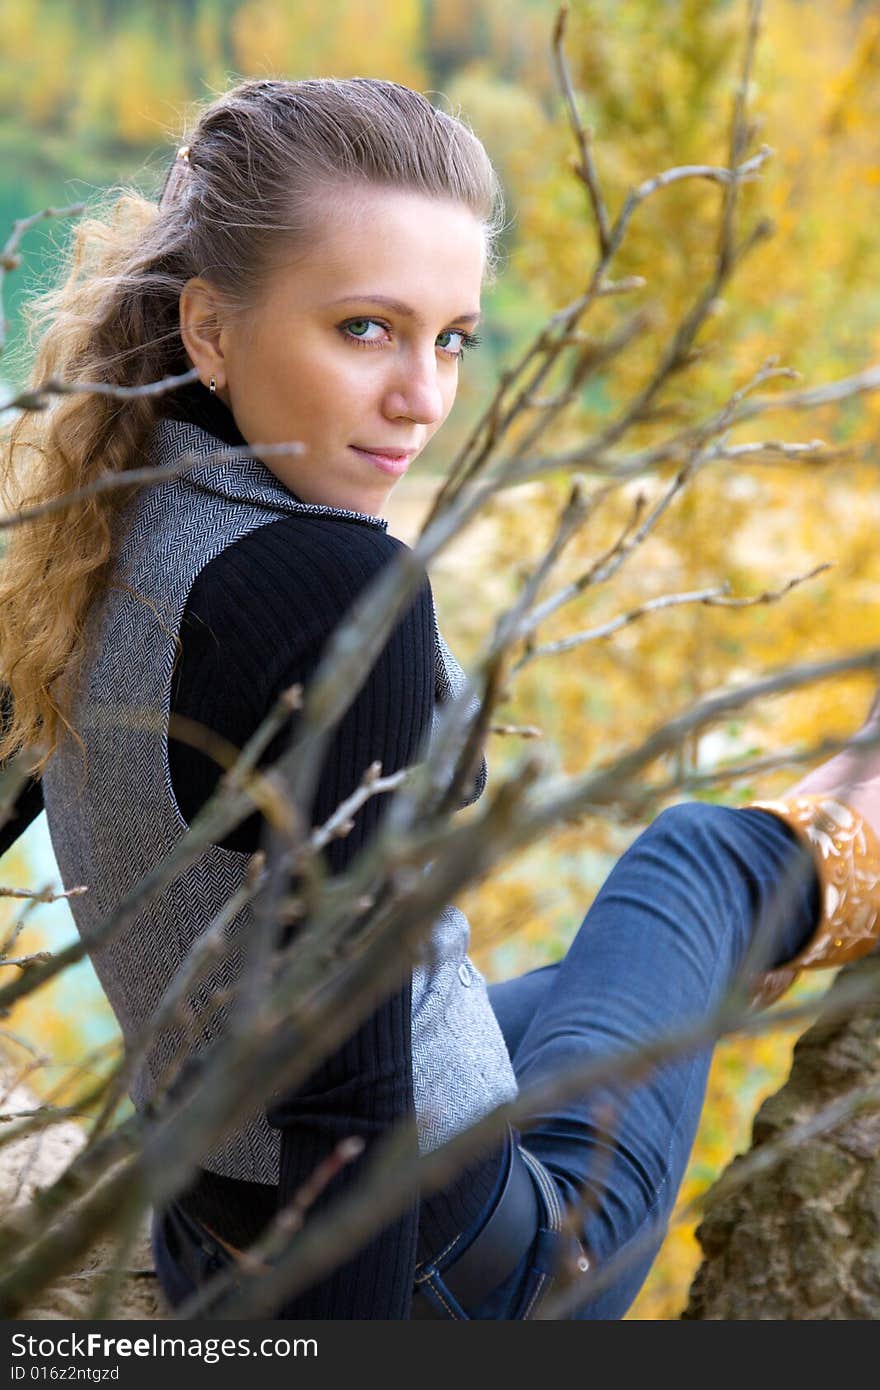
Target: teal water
77, 991
27, 185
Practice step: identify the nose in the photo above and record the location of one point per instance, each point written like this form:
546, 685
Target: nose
414, 390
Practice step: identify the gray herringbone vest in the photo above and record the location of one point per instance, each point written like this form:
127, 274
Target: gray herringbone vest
115, 825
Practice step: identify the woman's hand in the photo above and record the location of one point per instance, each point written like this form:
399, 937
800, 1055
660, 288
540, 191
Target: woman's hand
853, 775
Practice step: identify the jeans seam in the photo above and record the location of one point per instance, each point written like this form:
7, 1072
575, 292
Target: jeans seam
664, 1183
450, 1310
531, 1304
549, 1196
434, 1258
547, 1187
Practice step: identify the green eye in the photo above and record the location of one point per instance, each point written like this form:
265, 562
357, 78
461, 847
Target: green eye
355, 331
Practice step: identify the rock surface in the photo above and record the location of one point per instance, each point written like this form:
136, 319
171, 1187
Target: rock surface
802, 1240
35, 1162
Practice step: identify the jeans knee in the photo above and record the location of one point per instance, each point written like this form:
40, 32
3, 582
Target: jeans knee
701, 837
689, 819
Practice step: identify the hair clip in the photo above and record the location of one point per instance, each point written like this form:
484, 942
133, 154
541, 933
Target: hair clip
173, 179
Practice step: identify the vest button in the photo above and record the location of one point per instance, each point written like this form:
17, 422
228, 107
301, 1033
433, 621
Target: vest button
464, 974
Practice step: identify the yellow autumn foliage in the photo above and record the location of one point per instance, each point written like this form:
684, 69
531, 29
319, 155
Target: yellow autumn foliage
298, 41
806, 295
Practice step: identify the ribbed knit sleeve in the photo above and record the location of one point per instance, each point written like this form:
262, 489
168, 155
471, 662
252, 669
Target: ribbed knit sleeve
258, 619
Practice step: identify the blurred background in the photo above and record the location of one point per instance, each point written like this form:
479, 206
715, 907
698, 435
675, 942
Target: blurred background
96, 94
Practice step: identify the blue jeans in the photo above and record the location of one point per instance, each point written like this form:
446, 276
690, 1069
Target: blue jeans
656, 951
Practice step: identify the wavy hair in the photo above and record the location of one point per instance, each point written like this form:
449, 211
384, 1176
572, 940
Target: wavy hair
260, 158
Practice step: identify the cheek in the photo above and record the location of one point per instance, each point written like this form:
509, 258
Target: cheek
449, 395
331, 397
299, 379
327, 366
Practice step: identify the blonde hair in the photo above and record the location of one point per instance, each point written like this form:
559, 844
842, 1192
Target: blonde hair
261, 158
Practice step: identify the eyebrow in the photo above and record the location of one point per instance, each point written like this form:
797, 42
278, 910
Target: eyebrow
399, 307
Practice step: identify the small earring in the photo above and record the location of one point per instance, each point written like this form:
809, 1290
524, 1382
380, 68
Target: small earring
213, 385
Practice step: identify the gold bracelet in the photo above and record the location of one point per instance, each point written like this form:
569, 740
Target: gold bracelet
846, 854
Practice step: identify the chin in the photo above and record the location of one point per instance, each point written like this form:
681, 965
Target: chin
361, 500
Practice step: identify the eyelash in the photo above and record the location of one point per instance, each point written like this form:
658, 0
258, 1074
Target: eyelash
468, 340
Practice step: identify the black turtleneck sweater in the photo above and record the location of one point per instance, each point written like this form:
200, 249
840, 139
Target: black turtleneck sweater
257, 620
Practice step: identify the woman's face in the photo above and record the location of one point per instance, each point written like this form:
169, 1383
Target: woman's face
321, 360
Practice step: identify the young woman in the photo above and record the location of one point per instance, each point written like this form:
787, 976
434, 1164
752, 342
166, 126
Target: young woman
318, 255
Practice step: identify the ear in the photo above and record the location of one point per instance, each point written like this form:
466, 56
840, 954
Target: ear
201, 329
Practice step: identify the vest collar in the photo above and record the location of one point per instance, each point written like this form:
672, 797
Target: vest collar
224, 470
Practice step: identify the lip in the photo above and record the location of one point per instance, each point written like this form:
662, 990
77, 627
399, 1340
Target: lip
395, 464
